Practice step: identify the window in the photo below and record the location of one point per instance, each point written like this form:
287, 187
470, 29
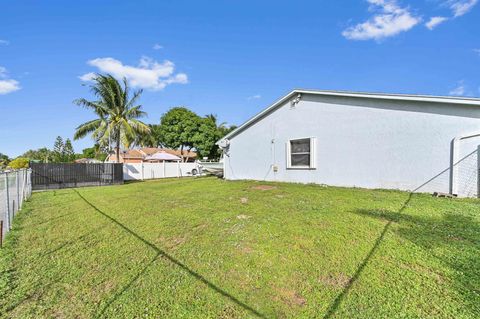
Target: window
301, 153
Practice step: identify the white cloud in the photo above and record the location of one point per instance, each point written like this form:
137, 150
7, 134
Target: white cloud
389, 21
434, 22
149, 74
461, 7
477, 51
87, 76
254, 97
157, 46
7, 85
460, 90
4, 42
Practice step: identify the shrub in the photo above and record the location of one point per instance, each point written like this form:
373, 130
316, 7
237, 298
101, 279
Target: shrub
19, 162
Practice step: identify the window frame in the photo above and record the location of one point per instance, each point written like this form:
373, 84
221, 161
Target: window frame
311, 153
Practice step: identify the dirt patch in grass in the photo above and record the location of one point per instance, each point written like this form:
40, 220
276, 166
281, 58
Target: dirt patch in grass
242, 216
171, 242
176, 241
334, 280
264, 187
245, 249
289, 297
200, 227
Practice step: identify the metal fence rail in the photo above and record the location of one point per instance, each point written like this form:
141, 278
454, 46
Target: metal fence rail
15, 188
65, 175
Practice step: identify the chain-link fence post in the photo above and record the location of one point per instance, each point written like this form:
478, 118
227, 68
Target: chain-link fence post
7, 202
17, 186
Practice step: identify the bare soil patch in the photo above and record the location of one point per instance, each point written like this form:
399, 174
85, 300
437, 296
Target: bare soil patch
335, 280
264, 187
290, 297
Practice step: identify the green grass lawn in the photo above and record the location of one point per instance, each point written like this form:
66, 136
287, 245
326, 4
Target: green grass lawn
208, 248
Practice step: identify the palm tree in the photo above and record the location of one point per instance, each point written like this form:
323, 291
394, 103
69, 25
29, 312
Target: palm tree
213, 117
151, 139
117, 114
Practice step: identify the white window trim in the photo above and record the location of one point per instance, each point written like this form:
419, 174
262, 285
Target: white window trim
313, 142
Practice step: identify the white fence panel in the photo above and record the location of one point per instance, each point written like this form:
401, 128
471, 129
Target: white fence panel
153, 170
143, 171
171, 169
186, 169
132, 172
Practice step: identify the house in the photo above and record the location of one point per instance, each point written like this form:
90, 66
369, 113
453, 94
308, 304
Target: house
87, 161
189, 156
139, 155
393, 141
126, 156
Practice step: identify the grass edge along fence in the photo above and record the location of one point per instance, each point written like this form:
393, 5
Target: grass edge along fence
15, 188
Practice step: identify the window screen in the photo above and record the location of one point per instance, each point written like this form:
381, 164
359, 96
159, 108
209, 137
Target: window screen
300, 153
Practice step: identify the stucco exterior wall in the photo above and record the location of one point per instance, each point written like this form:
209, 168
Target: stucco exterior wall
360, 142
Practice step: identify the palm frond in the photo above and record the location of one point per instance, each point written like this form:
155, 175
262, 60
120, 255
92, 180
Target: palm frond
85, 128
135, 112
133, 100
117, 113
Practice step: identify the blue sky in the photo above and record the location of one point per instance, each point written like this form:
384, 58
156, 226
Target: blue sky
230, 58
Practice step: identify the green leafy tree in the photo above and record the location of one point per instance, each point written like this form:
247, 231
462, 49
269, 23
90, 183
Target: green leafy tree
88, 153
224, 130
117, 114
182, 129
69, 153
151, 139
42, 155
19, 162
94, 152
179, 128
4, 159
59, 150
205, 138
221, 130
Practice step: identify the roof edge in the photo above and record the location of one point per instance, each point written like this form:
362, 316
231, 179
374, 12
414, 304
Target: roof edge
370, 95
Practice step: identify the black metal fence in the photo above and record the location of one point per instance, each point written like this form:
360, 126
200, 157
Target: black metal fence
65, 175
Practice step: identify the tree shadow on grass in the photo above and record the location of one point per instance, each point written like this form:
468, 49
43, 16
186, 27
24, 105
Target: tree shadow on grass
338, 300
127, 286
452, 238
163, 254
36, 293
73, 241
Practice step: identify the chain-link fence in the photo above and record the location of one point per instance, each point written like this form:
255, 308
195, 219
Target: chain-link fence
468, 175
15, 188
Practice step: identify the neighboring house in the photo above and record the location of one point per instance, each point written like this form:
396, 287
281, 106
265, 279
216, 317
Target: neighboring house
126, 156
87, 161
188, 155
139, 155
407, 142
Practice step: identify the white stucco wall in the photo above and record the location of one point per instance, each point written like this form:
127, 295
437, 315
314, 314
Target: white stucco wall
359, 142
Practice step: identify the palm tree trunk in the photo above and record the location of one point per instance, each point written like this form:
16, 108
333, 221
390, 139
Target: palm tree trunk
117, 149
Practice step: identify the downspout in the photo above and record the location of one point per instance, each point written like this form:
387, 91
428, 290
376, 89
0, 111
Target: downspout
454, 158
